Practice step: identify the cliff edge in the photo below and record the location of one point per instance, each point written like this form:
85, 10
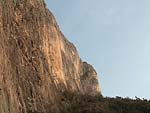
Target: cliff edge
37, 62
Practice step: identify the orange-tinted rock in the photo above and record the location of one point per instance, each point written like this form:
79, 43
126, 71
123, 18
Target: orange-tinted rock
37, 62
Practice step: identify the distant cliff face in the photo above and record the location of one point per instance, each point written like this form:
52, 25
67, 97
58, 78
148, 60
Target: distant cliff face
37, 63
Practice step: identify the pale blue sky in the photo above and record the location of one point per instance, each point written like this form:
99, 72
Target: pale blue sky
113, 36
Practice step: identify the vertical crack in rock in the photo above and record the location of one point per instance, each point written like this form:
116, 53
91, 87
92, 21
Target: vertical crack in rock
37, 63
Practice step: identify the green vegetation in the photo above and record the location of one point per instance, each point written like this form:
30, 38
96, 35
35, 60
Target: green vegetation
76, 103
88, 104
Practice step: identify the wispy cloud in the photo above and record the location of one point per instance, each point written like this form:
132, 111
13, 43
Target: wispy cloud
111, 11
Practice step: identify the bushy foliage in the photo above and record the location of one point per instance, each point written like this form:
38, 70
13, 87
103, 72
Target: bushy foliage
98, 104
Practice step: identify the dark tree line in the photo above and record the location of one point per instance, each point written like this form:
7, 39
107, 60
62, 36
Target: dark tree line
100, 104
76, 103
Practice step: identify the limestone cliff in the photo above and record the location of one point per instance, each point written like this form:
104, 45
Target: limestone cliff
37, 63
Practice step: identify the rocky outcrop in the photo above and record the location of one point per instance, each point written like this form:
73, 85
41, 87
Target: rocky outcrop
89, 79
37, 63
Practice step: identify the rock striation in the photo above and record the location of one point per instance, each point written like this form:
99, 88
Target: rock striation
37, 62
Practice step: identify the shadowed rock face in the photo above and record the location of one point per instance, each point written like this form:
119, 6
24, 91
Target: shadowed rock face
37, 63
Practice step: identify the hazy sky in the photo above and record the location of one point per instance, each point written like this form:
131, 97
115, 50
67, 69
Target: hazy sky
113, 36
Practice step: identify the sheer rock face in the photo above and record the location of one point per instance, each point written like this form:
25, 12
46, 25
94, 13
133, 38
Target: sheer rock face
37, 63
